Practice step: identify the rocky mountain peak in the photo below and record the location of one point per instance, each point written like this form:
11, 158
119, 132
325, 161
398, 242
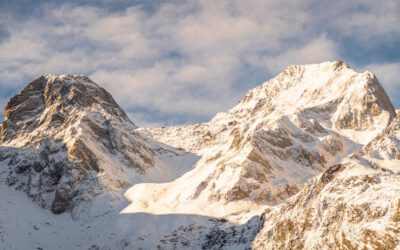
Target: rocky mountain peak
64, 132
329, 92
305, 86
50, 98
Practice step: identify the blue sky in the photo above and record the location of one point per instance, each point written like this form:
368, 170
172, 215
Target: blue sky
176, 62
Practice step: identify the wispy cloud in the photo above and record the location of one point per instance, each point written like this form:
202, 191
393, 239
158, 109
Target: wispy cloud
178, 62
316, 50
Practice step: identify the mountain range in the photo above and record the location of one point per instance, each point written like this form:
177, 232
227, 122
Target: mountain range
308, 160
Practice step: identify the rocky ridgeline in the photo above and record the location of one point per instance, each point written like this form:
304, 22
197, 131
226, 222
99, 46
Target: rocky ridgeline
64, 139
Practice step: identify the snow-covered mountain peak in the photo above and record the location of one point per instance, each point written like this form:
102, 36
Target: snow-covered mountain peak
300, 77
279, 135
77, 138
331, 93
47, 97
306, 86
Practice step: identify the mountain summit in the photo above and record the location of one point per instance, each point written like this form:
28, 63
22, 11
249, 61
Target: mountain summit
64, 136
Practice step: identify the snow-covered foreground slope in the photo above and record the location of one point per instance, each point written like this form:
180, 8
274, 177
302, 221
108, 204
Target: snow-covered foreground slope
24, 225
308, 160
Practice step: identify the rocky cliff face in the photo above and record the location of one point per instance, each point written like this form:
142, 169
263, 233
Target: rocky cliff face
63, 137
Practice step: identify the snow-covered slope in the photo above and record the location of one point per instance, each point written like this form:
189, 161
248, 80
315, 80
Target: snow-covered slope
281, 134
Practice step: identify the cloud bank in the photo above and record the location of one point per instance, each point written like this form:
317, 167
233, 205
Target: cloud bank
183, 61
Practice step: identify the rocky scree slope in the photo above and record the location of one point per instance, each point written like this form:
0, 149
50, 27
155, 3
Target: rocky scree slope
64, 139
278, 136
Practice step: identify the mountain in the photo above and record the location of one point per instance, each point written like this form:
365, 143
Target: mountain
64, 140
278, 136
352, 204
308, 160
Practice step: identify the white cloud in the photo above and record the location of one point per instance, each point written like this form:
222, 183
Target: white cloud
360, 19
183, 60
315, 51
